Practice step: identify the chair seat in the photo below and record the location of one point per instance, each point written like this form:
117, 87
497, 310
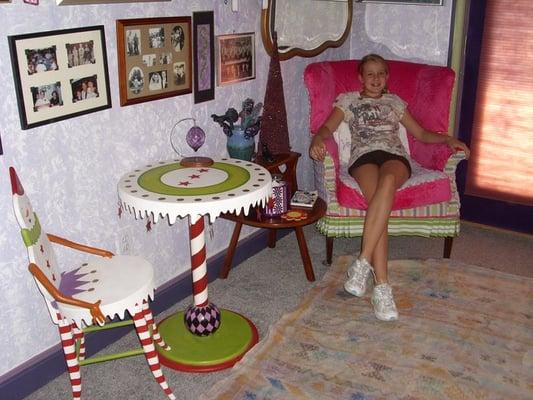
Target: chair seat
122, 283
424, 187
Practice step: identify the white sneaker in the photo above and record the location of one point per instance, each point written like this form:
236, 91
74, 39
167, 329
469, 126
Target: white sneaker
358, 274
384, 306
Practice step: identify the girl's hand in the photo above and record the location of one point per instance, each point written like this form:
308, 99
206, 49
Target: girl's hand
458, 145
317, 149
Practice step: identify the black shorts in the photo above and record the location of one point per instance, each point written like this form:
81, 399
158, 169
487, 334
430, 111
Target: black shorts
378, 157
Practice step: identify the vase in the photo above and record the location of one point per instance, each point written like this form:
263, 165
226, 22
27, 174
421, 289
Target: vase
239, 145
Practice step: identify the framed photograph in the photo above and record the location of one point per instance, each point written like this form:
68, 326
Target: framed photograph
59, 74
420, 2
235, 58
204, 55
154, 58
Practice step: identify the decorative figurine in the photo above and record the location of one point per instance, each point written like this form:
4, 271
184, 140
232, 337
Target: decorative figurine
241, 143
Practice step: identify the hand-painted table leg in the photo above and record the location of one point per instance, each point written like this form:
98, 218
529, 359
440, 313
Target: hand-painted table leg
204, 339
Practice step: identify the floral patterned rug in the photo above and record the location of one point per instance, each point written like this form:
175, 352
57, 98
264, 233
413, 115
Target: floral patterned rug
464, 332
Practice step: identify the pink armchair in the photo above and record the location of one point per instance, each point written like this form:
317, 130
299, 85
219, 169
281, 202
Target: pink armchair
428, 203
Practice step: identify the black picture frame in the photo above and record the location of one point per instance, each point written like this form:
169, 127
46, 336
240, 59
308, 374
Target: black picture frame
59, 74
204, 55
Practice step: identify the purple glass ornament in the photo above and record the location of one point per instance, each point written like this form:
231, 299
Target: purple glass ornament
195, 137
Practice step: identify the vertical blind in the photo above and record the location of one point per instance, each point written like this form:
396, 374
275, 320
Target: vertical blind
501, 164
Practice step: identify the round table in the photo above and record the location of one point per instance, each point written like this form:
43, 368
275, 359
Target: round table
169, 190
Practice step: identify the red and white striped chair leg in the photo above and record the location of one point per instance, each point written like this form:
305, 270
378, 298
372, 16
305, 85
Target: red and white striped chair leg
69, 348
149, 352
79, 336
151, 323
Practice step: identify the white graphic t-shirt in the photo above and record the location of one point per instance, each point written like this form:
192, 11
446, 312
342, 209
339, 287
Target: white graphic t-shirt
374, 123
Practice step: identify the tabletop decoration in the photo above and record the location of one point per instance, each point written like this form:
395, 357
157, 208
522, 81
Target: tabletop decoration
241, 138
195, 138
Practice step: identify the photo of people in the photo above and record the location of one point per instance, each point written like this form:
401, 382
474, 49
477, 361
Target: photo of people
136, 80
149, 60
84, 88
133, 42
46, 96
80, 53
157, 80
165, 58
236, 58
179, 74
41, 60
177, 38
156, 37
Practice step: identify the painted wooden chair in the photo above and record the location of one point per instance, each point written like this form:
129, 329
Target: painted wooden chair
81, 300
427, 204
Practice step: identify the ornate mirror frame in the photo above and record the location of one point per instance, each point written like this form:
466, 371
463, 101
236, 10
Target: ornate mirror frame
267, 27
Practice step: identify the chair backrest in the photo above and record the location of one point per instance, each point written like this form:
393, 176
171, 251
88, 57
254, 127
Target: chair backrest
426, 88
40, 251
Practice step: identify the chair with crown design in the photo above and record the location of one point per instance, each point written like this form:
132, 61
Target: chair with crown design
427, 204
83, 299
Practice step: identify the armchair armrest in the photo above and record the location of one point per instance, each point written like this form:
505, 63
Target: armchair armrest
94, 308
78, 246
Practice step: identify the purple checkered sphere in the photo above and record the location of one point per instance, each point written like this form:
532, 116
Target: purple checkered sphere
202, 321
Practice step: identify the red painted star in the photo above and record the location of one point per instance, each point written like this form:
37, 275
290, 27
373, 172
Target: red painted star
194, 176
203, 170
186, 183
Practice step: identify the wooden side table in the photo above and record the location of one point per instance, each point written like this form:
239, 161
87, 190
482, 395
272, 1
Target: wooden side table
286, 166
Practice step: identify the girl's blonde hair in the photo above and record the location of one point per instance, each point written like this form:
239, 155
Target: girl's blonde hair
373, 58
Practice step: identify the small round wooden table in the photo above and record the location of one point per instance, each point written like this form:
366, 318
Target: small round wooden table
253, 219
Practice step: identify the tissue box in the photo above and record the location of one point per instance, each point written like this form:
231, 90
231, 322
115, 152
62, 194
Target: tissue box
278, 203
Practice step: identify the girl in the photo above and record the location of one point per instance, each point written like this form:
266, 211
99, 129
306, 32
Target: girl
380, 165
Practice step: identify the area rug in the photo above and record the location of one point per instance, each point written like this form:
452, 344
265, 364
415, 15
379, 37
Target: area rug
465, 332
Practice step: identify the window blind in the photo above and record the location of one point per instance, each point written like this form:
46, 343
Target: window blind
501, 164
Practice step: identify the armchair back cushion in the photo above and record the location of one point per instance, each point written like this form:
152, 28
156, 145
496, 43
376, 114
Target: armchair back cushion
427, 89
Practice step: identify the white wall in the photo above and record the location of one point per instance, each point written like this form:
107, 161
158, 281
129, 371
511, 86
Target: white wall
70, 168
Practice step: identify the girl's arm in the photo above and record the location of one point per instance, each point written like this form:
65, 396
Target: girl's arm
431, 137
317, 149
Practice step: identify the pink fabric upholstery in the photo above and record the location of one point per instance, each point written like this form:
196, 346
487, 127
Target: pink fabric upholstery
427, 90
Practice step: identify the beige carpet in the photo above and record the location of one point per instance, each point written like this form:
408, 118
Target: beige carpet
464, 333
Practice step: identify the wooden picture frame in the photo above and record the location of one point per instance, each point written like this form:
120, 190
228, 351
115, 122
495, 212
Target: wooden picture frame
154, 58
204, 55
59, 74
235, 58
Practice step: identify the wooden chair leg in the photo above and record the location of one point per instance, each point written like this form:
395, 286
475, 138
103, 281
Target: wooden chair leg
69, 348
448, 243
231, 251
329, 249
151, 324
147, 343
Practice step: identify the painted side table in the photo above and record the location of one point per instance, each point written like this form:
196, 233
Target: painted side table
203, 338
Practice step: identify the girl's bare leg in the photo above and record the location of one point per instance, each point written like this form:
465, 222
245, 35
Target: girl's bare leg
390, 176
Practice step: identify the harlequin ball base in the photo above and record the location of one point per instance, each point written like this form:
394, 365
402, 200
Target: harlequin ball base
220, 350
202, 321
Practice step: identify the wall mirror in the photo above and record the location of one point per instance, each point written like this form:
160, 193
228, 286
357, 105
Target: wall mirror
305, 28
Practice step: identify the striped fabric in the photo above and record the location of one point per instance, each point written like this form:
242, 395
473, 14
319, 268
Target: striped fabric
433, 220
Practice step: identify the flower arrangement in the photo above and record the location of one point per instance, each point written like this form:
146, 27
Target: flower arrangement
250, 116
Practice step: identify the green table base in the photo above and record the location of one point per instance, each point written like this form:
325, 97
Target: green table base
220, 350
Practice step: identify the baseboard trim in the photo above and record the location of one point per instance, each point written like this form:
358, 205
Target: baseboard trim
44, 367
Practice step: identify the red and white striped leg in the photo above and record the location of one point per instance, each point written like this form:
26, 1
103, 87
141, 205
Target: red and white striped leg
149, 318
201, 318
69, 348
79, 336
150, 353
